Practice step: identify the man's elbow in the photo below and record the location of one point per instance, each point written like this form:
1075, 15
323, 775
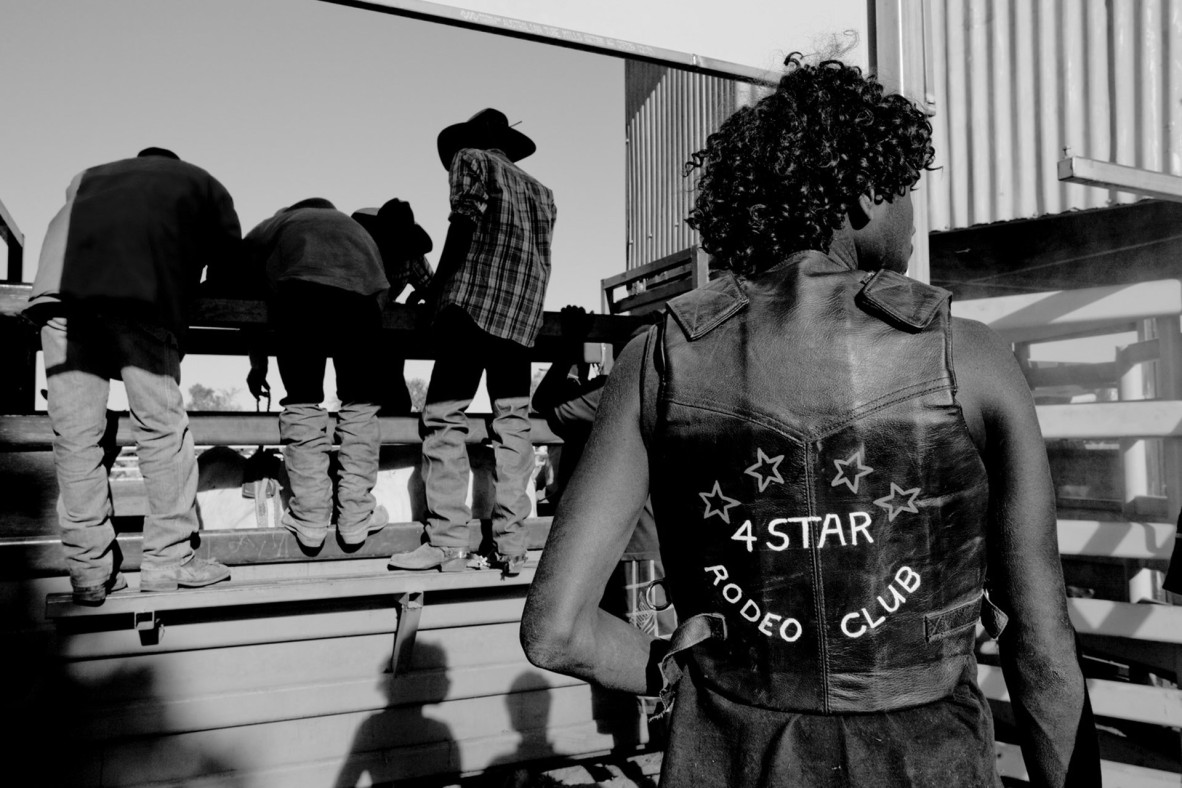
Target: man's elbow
547, 644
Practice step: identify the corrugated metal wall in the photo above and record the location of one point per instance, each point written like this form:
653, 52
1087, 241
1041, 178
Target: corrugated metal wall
670, 112
1015, 81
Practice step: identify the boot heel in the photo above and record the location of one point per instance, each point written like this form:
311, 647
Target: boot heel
454, 565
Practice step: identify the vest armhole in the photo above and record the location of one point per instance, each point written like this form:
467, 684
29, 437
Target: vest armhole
650, 383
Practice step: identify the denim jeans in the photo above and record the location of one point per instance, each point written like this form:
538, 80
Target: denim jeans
315, 323
82, 356
465, 351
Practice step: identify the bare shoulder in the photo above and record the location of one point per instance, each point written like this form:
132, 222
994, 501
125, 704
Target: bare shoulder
991, 388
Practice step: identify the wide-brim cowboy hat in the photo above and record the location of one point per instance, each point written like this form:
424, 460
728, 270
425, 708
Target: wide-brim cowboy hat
395, 223
488, 128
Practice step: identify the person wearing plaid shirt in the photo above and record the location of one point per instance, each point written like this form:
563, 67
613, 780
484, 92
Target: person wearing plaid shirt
487, 305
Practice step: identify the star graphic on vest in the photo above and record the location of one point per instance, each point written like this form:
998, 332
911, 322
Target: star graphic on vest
713, 499
843, 477
890, 503
770, 467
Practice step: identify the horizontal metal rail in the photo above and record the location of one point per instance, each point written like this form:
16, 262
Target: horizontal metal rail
32, 556
33, 432
407, 328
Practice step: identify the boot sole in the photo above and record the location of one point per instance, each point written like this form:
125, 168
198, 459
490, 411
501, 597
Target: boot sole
355, 538
174, 585
307, 542
93, 597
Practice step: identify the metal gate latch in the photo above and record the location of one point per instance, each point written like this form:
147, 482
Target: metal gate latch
150, 628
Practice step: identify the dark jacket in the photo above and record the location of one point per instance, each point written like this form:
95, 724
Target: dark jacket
314, 242
133, 239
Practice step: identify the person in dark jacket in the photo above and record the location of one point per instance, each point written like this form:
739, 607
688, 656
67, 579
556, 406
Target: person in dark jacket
840, 497
325, 283
120, 262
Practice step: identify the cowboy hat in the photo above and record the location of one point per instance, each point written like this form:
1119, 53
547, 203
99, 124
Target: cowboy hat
488, 128
395, 222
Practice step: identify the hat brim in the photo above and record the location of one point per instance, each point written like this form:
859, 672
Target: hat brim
416, 241
457, 136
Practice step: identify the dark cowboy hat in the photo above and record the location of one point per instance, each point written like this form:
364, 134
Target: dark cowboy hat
395, 222
488, 128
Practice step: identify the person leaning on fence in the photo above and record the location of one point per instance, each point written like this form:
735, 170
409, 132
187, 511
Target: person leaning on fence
486, 299
325, 284
120, 262
845, 481
404, 246
568, 398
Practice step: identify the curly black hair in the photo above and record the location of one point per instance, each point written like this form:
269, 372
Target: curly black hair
776, 178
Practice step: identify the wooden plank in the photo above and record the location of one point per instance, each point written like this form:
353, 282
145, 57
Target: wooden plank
328, 660
231, 594
458, 723
1158, 658
189, 711
33, 432
1121, 540
42, 555
1136, 419
1108, 175
1043, 316
1085, 376
1115, 775
120, 640
388, 765
14, 240
13, 232
640, 272
1158, 623
407, 324
304, 623
655, 295
681, 272
1118, 699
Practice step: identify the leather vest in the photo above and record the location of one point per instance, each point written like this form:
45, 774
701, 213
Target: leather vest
814, 483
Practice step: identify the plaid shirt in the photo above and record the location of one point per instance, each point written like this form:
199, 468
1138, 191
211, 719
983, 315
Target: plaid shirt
503, 280
415, 270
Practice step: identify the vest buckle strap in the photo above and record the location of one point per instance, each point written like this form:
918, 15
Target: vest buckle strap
694, 630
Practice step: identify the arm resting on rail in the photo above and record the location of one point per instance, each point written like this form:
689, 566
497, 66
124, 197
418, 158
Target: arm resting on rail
563, 628
1038, 651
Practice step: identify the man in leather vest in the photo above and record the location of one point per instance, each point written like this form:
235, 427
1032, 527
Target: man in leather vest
839, 497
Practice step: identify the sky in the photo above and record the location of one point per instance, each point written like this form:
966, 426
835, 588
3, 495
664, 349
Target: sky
286, 99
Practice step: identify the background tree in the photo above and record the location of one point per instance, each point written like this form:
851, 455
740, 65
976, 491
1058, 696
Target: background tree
204, 398
418, 393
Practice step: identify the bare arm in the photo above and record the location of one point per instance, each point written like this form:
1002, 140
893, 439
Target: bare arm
563, 628
1038, 651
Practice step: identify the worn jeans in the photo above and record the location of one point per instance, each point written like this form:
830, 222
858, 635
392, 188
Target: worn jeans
315, 323
464, 352
82, 356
